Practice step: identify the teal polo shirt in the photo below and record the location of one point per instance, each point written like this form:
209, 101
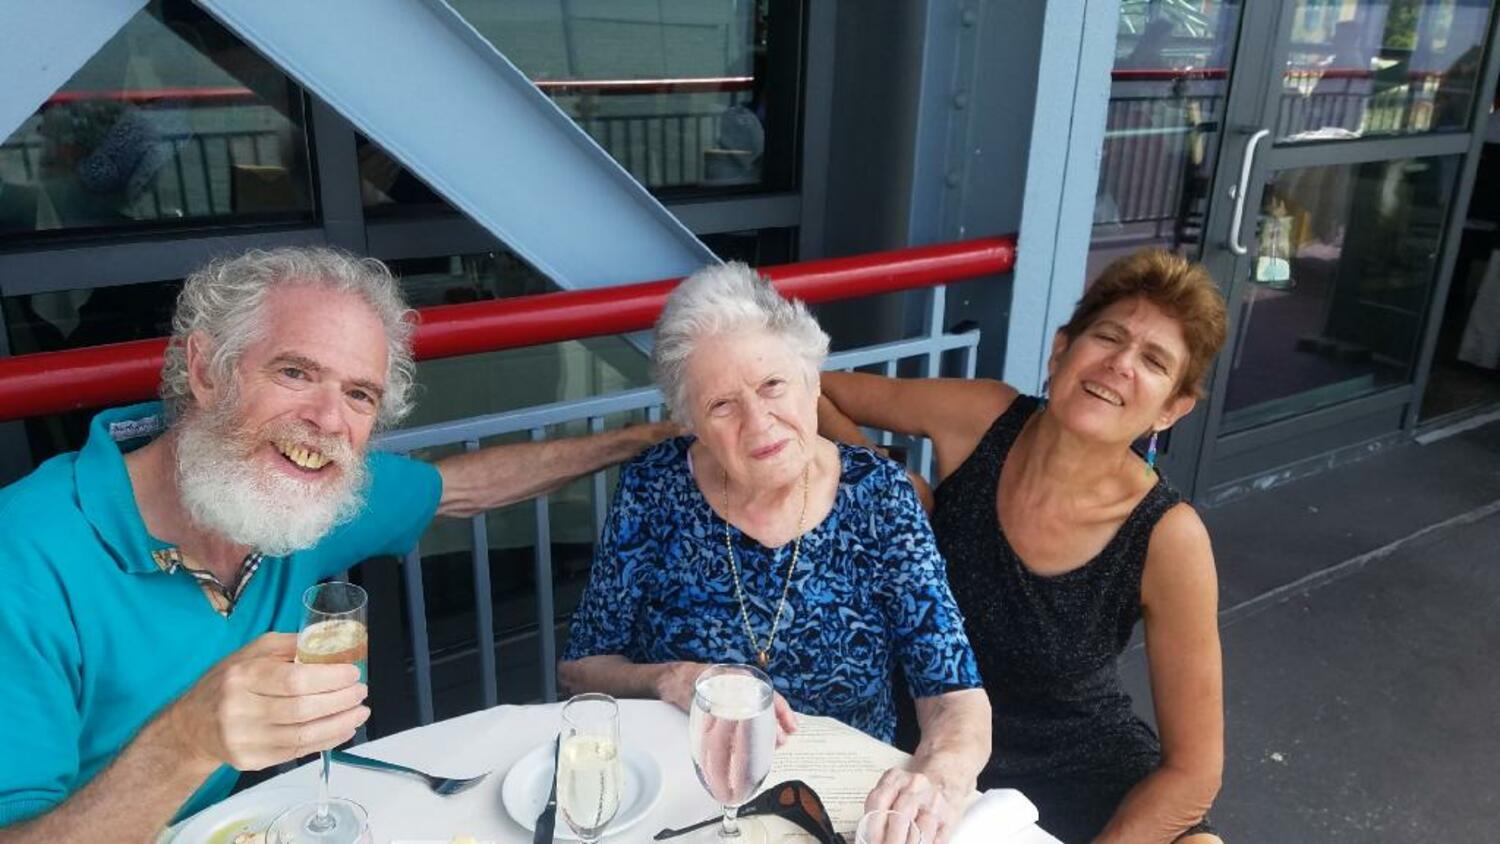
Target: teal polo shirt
96, 638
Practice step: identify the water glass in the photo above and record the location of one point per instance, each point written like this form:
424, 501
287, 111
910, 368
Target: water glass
732, 732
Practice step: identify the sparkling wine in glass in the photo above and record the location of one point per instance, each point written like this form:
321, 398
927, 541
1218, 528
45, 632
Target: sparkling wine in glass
732, 731
589, 772
884, 826
333, 631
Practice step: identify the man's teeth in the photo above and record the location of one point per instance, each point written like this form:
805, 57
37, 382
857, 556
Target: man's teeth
305, 457
1105, 393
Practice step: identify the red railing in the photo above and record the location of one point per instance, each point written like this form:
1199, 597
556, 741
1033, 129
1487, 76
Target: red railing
99, 376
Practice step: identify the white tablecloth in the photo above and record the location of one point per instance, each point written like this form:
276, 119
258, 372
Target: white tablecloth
401, 808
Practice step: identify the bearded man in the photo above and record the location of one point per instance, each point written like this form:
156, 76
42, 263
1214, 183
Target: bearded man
144, 571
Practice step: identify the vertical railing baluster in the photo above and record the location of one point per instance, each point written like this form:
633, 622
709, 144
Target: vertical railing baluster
208, 178
601, 503
546, 623
886, 437
484, 602
937, 305
416, 612
177, 149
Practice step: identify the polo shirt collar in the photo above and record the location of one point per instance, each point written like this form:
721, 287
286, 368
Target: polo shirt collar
104, 492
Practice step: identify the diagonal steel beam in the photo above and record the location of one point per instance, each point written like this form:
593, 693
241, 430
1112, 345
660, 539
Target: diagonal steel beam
43, 44
419, 81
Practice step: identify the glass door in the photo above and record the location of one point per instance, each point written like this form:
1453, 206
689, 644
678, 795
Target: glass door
1335, 194
1174, 66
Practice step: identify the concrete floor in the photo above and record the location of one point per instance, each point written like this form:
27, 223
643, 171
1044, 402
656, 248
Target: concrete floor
1361, 627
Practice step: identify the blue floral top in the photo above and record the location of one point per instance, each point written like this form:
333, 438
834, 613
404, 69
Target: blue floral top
869, 592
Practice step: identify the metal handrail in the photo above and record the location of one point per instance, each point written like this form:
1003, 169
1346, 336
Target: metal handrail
555, 87
100, 376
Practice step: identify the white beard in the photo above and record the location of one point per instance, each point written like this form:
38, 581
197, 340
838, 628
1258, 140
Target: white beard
225, 492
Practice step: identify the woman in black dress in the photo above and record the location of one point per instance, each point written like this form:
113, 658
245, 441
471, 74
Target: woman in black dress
1059, 537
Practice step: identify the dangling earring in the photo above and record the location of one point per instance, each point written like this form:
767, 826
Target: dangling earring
1042, 399
1151, 452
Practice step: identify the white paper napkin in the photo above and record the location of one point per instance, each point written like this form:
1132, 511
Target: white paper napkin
997, 812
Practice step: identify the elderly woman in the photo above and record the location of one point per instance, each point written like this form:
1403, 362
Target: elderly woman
755, 540
1059, 538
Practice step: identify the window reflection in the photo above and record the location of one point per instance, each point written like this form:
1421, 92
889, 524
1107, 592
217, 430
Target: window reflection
689, 96
1379, 67
173, 119
73, 319
1166, 103
1340, 286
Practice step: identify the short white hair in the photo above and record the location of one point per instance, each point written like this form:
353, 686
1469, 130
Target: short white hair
225, 300
724, 299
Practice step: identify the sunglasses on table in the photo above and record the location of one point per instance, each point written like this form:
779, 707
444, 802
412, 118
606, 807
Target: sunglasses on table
793, 800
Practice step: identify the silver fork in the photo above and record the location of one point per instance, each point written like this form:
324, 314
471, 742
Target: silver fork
446, 786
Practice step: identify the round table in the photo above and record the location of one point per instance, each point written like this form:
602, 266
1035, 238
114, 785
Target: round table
402, 809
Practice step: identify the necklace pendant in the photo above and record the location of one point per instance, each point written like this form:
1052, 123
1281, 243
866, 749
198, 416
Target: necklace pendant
763, 658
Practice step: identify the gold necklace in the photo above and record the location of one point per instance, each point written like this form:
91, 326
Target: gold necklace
763, 649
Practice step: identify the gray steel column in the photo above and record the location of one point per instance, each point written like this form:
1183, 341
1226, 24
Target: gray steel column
43, 44
433, 93
931, 107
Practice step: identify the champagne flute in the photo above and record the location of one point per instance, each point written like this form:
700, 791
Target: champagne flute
589, 772
333, 631
732, 730
884, 826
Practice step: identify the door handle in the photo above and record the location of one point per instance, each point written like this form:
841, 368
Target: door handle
1241, 190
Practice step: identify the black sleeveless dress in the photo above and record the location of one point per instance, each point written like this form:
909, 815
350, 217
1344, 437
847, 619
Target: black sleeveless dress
1064, 732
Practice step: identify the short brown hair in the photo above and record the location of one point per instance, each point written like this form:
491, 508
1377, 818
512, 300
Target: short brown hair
1181, 288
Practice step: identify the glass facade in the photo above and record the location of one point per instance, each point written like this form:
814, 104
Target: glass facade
1360, 68
174, 122
691, 97
1341, 282
1168, 90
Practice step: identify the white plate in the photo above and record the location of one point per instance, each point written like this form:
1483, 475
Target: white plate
524, 791
248, 811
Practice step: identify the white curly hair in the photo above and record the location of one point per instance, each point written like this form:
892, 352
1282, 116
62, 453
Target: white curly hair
224, 301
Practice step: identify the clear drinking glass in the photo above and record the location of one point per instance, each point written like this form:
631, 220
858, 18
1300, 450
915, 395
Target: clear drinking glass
884, 826
732, 731
589, 773
333, 631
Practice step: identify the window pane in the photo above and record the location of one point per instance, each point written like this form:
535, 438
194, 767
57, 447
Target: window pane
690, 96
1167, 94
173, 120
71, 319
491, 382
1381, 67
1340, 285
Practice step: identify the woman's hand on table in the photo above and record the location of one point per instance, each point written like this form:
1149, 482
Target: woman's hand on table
675, 686
935, 802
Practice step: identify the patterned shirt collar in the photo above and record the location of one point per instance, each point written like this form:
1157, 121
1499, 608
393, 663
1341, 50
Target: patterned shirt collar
222, 596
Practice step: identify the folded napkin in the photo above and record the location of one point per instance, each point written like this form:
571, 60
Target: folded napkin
997, 812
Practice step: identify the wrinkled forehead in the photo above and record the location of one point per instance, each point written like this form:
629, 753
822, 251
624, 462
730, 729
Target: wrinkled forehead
337, 331
733, 359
